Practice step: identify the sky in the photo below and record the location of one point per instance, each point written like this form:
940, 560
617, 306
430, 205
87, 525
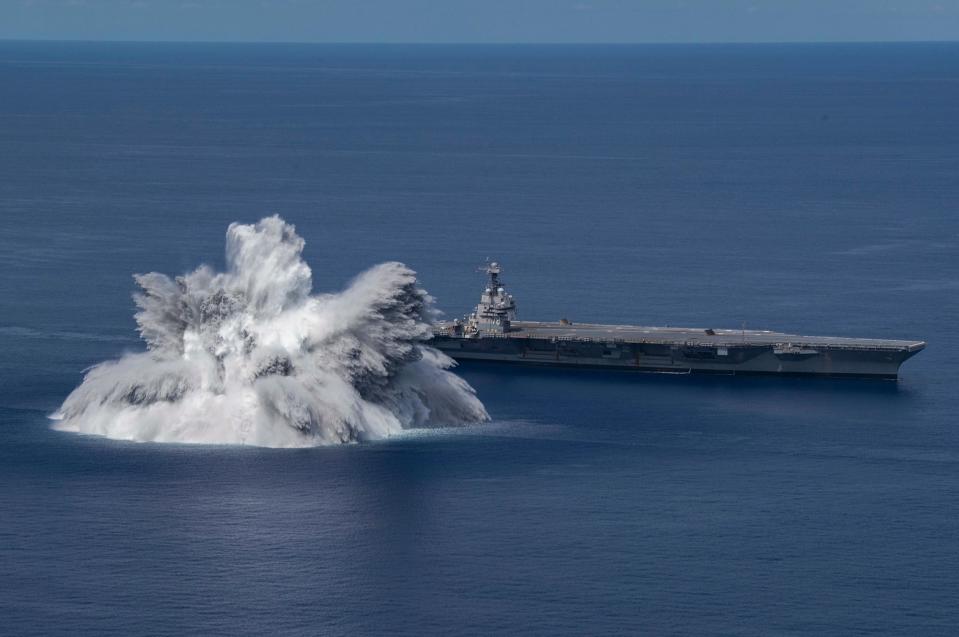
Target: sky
601, 21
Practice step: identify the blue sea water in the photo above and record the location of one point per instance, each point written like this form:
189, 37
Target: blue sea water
809, 188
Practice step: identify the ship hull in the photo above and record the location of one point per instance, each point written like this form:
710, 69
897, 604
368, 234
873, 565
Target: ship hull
682, 351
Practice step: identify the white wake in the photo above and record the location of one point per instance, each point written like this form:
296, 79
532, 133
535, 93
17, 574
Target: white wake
250, 356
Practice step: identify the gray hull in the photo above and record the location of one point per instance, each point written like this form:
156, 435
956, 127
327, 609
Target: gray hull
680, 350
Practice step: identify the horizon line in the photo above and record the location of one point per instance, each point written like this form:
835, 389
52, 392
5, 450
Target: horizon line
475, 42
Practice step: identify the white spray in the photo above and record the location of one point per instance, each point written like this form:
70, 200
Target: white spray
249, 356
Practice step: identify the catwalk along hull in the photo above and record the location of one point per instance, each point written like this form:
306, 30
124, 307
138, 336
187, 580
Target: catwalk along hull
679, 350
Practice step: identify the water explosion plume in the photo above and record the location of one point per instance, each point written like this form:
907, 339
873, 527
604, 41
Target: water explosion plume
250, 356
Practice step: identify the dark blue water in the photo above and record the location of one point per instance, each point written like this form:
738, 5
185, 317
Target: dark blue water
807, 188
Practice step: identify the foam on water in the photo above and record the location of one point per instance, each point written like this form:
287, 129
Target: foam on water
251, 356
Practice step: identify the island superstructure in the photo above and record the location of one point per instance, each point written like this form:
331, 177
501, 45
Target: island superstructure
492, 333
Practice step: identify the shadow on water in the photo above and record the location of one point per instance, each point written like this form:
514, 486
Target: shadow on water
627, 402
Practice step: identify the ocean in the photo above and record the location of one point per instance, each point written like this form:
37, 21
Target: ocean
802, 188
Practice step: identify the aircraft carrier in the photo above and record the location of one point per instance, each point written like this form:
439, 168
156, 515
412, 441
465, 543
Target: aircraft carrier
492, 333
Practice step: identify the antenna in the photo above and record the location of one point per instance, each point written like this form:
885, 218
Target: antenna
492, 268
